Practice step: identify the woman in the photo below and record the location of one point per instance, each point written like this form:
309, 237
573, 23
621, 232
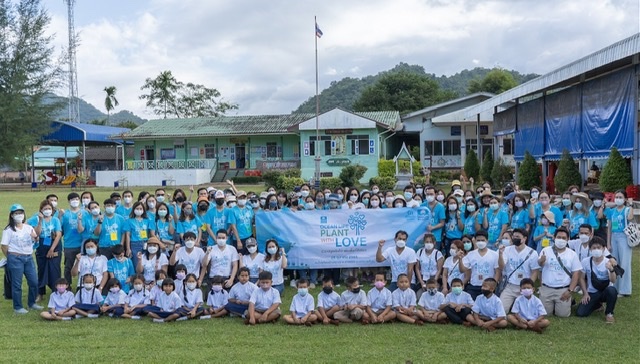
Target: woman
520, 213
618, 217
275, 261
454, 223
17, 246
49, 231
471, 218
495, 223
374, 202
580, 214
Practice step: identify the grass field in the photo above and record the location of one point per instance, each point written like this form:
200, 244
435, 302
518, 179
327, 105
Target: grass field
27, 339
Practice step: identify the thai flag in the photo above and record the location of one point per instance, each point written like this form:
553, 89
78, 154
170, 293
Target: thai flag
318, 31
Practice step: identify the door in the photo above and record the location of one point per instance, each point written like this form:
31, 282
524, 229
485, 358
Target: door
240, 158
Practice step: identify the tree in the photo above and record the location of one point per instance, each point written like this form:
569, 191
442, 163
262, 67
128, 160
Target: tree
529, 173
403, 91
487, 166
615, 173
127, 124
169, 97
568, 173
110, 102
351, 175
500, 173
472, 165
27, 75
496, 81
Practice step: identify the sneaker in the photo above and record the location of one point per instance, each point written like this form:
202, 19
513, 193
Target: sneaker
110, 315
39, 298
93, 315
312, 286
66, 319
21, 311
293, 283
158, 321
205, 317
136, 317
183, 318
36, 307
609, 319
79, 316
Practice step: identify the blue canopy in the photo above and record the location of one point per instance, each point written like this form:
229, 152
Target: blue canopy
77, 134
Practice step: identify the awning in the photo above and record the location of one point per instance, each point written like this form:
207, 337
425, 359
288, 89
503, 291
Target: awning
77, 134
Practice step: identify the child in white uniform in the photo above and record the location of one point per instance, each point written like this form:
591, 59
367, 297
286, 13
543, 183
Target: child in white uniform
218, 298
240, 293
113, 304
60, 303
191, 299
430, 302
139, 298
380, 301
528, 311
488, 312
88, 298
404, 302
301, 306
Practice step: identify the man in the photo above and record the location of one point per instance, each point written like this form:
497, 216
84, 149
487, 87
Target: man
401, 259
437, 215
602, 290
517, 262
71, 221
217, 217
560, 268
240, 221
482, 262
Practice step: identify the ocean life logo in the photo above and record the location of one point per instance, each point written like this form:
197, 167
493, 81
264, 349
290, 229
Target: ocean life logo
357, 222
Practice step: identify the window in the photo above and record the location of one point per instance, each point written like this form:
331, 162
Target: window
359, 144
451, 147
272, 150
508, 146
456, 130
442, 147
167, 154
194, 152
487, 144
324, 139
210, 153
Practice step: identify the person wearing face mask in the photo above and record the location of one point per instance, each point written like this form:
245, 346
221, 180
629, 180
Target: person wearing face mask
216, 218
91, 263
488, 312
165, 228
581, 244
49, 250
151, 205
302, 305
124, 209
175, 206
374, 202
408, 192
72, 238
428, 265
354, 303
580, 213
253, 260
597, 211
543, 233
275, 262
495, 222
113, 304
217, 299
137, 230
458, 195
399, 202
17, 246
451, 266
86, 198
109, 228
597, 282
388, 199
482, 263
53, 201
520, 213
151, 259
617, 219
60, 303
517, 262
189, 222
121, 268
544, 205
437, 215
363, 202
191, 256
455, 224
528, 312
560, 269
401, 259
240, 224
457, 304
429, 304
91, 223
471, 218
138, 299
222, 260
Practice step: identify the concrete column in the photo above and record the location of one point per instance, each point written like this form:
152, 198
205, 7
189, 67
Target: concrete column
463, 145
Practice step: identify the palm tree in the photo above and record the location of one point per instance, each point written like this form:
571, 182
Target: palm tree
110, 102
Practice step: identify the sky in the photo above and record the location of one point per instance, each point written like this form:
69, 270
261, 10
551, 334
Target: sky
261, 54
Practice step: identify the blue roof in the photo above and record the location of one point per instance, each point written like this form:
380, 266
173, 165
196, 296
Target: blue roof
73, 134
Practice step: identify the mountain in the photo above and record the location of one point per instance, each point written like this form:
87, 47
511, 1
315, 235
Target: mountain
89, 113
345, 92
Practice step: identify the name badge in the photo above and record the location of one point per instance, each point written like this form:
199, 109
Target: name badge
143, 234
113, 235
520, 276
481, 277
46, 241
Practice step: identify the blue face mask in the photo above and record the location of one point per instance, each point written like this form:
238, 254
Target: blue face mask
365, 201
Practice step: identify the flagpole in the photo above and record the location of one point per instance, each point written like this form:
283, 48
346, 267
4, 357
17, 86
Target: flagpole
317, 158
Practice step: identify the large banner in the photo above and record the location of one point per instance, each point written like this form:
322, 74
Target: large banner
339, 238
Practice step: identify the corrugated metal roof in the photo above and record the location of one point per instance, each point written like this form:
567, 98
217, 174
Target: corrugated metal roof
65, 133
615, 52
238, 125
450, 102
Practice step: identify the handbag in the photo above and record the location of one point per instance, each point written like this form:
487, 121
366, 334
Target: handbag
505, 281
599, 284
632, 231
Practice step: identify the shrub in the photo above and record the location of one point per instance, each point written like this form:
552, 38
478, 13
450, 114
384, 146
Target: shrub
386, 168
472, 165
385, 183
292, 172
330, 182
270, 178
420, 180
500, 174
247, 180
288, 183
351, 175
568, 173
615, 173
529, 174
487, 166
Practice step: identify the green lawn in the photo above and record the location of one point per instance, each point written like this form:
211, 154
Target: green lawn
572, 340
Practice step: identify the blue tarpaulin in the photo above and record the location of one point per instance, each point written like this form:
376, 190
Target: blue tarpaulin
563, 129
75, 134
530, 134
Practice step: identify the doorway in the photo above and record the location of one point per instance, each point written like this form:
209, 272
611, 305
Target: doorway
240, 157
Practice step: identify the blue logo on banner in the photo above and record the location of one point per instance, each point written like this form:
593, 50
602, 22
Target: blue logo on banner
323, 219
357, 222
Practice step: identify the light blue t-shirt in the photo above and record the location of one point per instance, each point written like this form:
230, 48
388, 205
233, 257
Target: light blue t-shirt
121, 271
495, 220
437, 216
243, 219
618, 218
576, 219
112, 230
72, 238
520, 219
162, 229
139, 230
189, 225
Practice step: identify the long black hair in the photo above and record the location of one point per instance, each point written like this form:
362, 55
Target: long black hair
12, 223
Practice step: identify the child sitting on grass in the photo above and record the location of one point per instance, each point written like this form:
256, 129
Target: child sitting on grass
430, 302
457, 304
528, 311
404, 301
380, 301
240, 293
302, 306
60, 303
488, 311
88, 298
264, 304
217, 299
354, 303
329, 302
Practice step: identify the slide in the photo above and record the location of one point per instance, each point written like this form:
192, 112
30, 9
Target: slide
68, 180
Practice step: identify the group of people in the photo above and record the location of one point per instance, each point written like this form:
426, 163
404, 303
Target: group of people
493, 247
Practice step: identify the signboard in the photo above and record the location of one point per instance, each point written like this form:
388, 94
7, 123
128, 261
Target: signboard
269, 165
338, 131
338, 162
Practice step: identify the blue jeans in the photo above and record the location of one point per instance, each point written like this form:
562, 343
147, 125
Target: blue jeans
17, 266
279, 288
304, 273
136, 246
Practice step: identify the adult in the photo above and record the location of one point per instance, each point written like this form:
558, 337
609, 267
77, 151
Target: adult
437, 215
49, 250
400, 258
71, 225
618, 217
451, 268
517, 261
17, 246
596, 280
580, 213
482, 262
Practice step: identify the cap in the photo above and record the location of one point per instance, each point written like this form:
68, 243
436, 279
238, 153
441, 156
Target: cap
16, 207
241, 193
583, 196
218, 194
398, 197
231, 198
210, 189
201, 199
549, 215
250, 242
264, 194
455, 182
333, 197
458, 193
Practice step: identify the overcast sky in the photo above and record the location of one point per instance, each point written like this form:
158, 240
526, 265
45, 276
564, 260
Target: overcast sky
260, 54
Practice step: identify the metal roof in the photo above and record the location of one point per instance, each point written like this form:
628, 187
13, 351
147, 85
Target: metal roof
484, 95
74, 134
616, 55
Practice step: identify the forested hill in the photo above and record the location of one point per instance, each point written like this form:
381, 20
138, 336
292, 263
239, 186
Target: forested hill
345, 92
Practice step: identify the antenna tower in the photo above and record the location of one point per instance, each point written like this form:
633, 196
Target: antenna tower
74, 103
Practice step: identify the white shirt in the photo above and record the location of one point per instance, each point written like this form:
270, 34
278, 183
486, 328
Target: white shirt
406, 298
96, 266
19, 241
583, 250
327, 301
193, 260
490, 307
529, 309
350, 298
253, 264
191, 298
88, 297
459, 299
242, 292
262, 299
431, 303
275, 267
301, 305
429, 262
222, 260
552, 273
168, 302
150, 266
61, 302
599, 269
218, 299
453, 270
119, 298
512, 259
482, 267
379, 299
139, 298
399, 262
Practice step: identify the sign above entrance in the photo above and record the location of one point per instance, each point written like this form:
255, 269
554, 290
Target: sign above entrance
338, 162
238, 140
338, 131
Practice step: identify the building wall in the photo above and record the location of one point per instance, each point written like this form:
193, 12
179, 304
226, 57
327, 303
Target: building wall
179, 177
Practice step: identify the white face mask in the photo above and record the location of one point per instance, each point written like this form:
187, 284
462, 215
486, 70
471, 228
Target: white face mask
506, 242
18, 218
481, 244
152, 249
160, 198
128, 200
151, 205
252, 249
86, 201
304, 193
597, 253
272, 250
453, 207
74, 203
597, 203
388, 199
88, 286
440, 198
535, 194
560, 243
54, 204
429, 246
584, 238
191, 286
430, 198
232, 204
47, 213
353, 198
309, 205
419, 191
375, 203
190, 244
242, 202
138, 212
399, 205
619, 201
401, 243
95, 212
221, 242
519, 204
138, 287
375, 190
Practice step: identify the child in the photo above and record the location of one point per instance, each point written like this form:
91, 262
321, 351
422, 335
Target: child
543, 234
218, 298
429, 264
151, 259
488, 311
264, 302
528, 311
302, 306
156, 288
120, 267
89, 261
88, 298
404, 301
354, 303
181, 274
380, 301
240, 293
60, 303
116, 299
138, 299
430, 303
457, 304
191, 299
329, 302
166, 304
